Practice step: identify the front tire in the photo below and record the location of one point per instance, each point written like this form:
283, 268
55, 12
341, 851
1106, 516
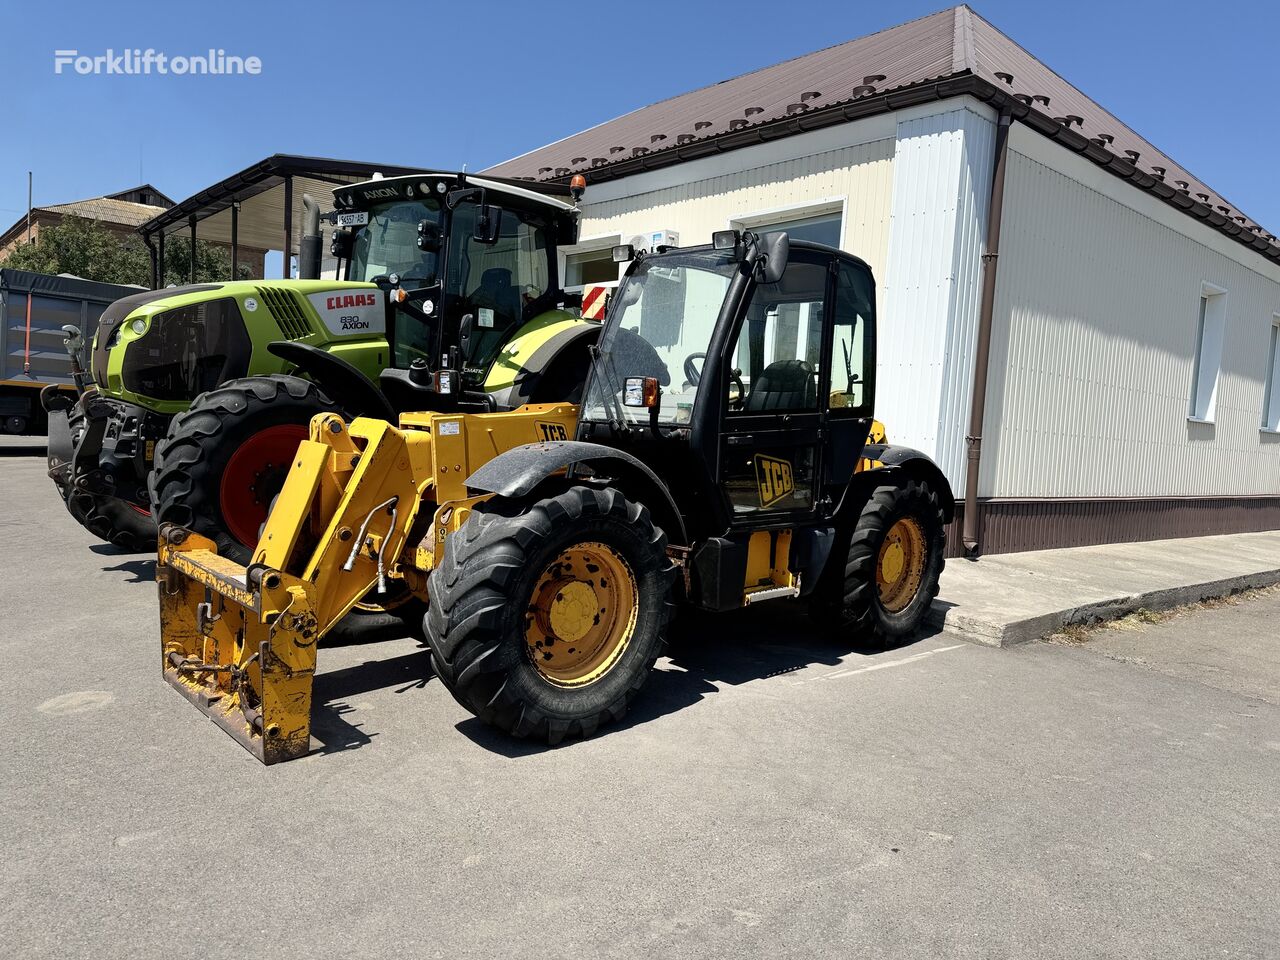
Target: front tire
889, 577
546, 618
225, 459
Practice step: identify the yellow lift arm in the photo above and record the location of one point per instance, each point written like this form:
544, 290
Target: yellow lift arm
240, 642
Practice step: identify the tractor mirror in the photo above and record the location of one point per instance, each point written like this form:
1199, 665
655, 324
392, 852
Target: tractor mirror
488, 224
624, 253
428, 236
464, 335
774, 250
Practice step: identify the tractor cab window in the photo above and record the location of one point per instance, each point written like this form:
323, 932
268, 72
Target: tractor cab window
776, 360
496, 282
665, 313
389, 243
853, 352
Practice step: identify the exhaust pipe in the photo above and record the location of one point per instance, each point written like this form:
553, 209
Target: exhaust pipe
309, 245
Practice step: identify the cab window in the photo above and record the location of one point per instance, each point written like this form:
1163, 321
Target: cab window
777, 356
853, 353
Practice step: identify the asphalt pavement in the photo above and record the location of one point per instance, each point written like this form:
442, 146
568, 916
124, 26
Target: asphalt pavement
774, 793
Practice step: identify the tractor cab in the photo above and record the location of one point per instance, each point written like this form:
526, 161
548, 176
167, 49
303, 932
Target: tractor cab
743, 372
468, 266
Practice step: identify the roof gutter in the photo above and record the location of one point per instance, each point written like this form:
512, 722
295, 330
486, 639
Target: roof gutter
982, 351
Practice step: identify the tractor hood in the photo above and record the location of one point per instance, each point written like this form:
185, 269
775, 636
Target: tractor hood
344, 309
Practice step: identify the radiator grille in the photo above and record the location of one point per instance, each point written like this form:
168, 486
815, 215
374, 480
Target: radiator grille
289, 314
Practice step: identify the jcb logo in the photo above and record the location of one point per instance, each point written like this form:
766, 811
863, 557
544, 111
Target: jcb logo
551, 431
774, 479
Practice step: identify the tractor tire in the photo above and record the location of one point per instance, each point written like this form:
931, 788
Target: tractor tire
546, 617
114, 520
890, 572
224, 460
110, 519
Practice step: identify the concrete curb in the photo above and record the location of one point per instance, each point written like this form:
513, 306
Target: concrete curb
994, 632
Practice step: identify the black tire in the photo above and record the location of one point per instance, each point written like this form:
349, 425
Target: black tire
482, 592
849, 597
108, 518
114, 521
187, 476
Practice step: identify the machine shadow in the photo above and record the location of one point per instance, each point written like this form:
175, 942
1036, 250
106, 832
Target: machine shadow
139, 571
705, 651
330, 691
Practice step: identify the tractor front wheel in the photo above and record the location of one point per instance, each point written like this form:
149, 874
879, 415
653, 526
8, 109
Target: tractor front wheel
225, 458
546, 618
889, 576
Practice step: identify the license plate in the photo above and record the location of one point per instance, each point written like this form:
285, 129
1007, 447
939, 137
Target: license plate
358, 219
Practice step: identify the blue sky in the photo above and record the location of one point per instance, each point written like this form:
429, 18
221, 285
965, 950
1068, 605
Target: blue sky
450, 84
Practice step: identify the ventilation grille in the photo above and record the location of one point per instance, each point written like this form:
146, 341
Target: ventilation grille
288, 312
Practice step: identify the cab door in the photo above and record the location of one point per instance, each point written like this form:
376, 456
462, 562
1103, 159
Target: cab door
771, 444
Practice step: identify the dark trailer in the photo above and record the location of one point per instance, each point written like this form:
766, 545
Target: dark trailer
34, 307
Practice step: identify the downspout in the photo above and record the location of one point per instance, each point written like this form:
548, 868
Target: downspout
982, 353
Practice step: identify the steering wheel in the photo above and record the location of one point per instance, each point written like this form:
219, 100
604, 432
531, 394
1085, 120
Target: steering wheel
692, 373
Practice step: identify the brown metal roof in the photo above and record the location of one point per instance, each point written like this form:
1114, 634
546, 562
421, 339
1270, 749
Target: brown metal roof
949, 53
107, 209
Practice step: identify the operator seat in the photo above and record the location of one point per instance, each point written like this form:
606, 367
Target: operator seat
784, 385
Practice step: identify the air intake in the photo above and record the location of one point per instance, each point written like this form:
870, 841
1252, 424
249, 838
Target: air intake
289, 314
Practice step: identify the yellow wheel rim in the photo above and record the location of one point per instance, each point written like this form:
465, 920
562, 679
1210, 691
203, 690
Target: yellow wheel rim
581, 615
900, 566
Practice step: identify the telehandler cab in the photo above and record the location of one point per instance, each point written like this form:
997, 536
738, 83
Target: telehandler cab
720, 458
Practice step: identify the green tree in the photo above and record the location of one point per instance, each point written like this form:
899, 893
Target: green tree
87, 249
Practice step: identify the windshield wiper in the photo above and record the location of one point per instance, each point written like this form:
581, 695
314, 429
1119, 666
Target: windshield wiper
600, 364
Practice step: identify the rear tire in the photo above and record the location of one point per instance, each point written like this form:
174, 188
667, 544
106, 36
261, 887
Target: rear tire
890, 573
108, 518
203, 479
115, 521
546, 618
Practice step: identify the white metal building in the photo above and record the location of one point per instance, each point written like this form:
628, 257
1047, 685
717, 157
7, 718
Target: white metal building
1133, 369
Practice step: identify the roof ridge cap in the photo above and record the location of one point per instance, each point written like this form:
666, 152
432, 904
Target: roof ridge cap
964, 55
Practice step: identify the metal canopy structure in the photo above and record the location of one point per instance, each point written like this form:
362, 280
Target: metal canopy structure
256, 209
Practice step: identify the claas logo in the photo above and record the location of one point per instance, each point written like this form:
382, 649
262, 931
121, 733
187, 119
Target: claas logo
774, 479
345, 301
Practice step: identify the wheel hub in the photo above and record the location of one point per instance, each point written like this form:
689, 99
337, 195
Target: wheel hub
581, 615
900, 565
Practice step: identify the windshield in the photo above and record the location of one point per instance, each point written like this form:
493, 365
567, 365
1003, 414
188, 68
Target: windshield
665, 314
389, 243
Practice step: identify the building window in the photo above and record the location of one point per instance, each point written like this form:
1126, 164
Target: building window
593, 267
1271, 395
1208, 359
819, 222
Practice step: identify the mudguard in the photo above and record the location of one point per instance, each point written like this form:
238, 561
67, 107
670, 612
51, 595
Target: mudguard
518, 471
888, 463
355, 393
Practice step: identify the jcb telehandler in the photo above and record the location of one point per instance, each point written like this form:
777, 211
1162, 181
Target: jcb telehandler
213, 385
719, 458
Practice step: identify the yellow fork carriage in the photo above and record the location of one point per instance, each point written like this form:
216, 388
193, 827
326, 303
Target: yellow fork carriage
365, 507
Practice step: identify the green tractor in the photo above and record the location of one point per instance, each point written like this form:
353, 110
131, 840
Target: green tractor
199, 395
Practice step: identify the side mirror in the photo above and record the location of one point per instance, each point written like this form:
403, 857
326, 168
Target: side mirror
773, 251
464, 335
488, 224
428, 236
341, 243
